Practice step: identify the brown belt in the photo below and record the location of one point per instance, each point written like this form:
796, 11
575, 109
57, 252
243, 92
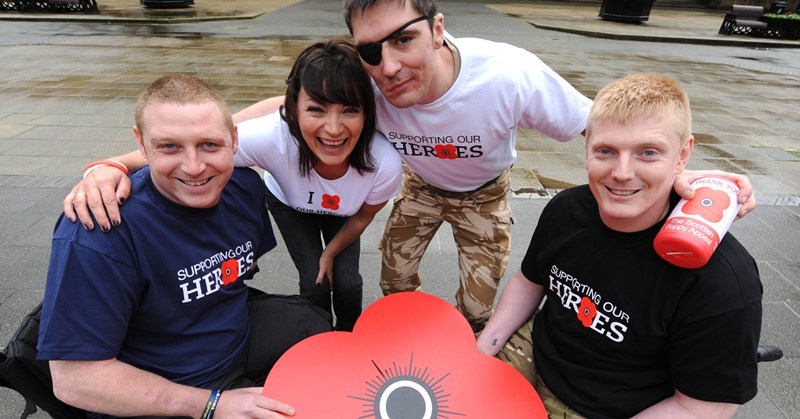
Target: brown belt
447, 193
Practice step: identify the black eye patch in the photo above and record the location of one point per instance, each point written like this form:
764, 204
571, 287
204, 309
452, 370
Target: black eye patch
370, 52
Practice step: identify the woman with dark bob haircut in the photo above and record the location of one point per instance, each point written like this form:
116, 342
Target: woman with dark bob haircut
328, 172
328, 74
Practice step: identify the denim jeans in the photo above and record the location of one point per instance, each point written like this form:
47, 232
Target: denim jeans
303, 234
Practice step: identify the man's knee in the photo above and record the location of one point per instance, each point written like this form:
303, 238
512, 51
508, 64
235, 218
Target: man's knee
476, 313
399, 274
277, 323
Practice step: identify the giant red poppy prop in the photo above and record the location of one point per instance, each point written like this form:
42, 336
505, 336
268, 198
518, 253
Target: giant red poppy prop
410, 355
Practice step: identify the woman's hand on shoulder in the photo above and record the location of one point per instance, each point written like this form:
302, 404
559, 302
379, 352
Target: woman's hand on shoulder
99, 194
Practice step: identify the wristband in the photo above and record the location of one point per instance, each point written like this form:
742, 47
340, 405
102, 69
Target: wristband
211, 404
95, 164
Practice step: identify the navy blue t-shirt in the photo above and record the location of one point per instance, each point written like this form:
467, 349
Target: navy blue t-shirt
164, 291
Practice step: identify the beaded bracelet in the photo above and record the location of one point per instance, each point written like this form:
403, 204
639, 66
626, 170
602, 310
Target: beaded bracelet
211, 404
95, 164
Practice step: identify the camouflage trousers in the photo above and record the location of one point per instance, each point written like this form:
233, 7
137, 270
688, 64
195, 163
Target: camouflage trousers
518, 352
481, 223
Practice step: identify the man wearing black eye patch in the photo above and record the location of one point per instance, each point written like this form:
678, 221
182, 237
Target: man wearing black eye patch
442, 102
451, 108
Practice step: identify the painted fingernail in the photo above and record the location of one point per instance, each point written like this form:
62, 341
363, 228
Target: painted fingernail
121, 200
115, 223
88, 227
105, 227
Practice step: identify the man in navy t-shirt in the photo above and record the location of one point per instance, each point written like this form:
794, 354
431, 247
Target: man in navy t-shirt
143, 320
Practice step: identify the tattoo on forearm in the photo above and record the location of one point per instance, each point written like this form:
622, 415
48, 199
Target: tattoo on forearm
494, 342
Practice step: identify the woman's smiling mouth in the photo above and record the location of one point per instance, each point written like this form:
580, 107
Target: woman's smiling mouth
332, 143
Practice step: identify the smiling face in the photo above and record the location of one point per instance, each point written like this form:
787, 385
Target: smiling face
331, 131
632, 167
189, 148
413, 66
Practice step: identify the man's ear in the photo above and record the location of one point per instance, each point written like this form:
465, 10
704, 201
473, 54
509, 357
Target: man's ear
438, 30
139, 141
685, 153
586, 149
235, 138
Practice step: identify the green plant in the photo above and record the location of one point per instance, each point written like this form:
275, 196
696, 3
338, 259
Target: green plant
787, 15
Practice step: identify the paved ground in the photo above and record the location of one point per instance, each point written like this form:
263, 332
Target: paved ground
70, 81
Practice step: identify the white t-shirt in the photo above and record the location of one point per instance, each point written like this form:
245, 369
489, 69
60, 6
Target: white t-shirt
468, 136
266, 142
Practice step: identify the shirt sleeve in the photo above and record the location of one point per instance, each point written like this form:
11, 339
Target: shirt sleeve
388, 178
719, 336
259, 144
553, 106
723, 348
530, 262
89, 299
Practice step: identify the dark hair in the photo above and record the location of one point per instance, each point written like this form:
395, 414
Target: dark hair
350, 7
330, 72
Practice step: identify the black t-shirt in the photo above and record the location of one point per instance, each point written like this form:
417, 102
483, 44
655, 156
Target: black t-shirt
621, 328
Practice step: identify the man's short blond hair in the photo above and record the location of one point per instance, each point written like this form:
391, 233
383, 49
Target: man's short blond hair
639, 96
182, 89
